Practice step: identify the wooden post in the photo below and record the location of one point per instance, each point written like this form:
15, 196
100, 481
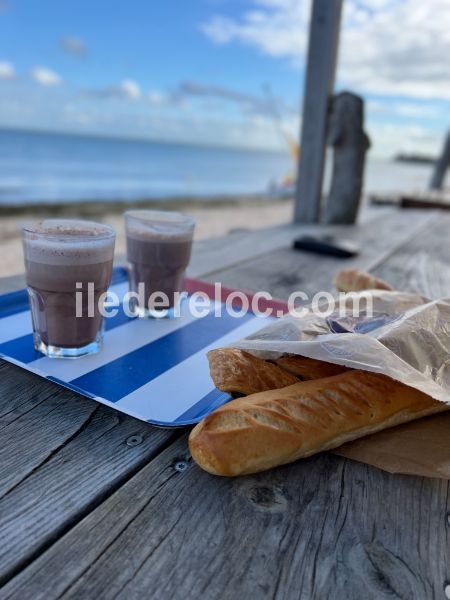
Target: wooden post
350, 144
319, 83
441, 166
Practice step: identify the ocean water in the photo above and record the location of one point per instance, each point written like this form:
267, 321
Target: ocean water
57, 168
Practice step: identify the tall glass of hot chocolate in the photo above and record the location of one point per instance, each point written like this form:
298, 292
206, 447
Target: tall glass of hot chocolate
158, 250
68, 267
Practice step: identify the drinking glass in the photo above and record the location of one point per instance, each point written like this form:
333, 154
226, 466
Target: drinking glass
68, 266
159, 247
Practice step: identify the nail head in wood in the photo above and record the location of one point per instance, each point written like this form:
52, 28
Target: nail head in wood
134, 440
180, 466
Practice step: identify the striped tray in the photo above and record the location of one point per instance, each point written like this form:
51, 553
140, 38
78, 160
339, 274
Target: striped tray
154, 370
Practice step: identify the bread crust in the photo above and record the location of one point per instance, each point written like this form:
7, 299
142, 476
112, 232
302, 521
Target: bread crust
355, 280
236, 371
275, 427
308, 368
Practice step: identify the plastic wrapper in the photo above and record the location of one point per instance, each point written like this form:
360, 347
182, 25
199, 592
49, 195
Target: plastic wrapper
404, 336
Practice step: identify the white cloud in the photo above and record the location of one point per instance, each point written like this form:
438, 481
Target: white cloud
7, 70
408, 109
251, 104
126, 89
45, 76
392, 47
73, 45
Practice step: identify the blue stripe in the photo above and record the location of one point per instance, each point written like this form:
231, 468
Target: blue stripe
119, 275
13, 303
126, 374
119, 319
203, 407
21, 349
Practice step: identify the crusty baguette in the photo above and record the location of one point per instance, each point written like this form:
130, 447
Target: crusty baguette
355, 280
267, 429
308, 368
234, 370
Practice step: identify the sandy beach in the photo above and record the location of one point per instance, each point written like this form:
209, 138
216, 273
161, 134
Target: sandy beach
214, 218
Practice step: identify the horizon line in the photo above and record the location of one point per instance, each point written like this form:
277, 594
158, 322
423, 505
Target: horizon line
136, 139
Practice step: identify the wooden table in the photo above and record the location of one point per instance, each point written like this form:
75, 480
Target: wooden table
94, 504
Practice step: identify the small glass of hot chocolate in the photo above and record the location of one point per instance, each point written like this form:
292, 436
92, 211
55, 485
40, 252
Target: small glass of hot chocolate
159, 247
68, 266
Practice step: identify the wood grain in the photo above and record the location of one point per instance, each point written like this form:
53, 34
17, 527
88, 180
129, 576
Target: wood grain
321, 528
423, 264
284, 271
61, 455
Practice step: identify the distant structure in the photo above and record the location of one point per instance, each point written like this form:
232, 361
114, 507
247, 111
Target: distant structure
441, 166
350, 143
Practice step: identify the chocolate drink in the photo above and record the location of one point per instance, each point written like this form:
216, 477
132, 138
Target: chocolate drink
54, 267
159, 262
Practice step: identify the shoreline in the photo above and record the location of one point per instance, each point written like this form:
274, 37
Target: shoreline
94, 206
214, 217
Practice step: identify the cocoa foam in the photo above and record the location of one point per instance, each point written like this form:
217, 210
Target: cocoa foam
65, 242
159, 226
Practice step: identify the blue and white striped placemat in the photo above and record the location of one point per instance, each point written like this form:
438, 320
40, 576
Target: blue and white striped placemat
154, 370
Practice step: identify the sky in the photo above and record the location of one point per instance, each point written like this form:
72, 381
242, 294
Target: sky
217, 71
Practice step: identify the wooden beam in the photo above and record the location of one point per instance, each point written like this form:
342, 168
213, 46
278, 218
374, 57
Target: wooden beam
441, 166
319, 82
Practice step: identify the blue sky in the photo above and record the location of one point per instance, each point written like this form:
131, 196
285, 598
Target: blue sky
195, 70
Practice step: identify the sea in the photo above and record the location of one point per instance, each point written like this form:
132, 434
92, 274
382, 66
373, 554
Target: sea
37, 167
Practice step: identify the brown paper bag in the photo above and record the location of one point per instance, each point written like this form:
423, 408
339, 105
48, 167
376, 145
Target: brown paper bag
421, 447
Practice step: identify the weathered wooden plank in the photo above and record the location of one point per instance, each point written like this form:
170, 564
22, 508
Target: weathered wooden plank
216, 254
423, 264
284, 271
61, 455
321, 528
32, 408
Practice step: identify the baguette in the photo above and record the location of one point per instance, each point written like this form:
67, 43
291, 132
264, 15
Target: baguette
355, 280
272, 428
233, 370
309, 368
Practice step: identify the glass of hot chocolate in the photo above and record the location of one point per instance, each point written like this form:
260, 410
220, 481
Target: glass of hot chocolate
68, 266
159, 247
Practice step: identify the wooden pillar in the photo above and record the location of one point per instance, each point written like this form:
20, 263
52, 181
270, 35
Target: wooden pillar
319, 83
441, 166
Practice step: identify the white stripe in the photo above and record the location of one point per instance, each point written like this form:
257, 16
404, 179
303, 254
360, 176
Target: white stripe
175, 391
15, 326
117, 342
